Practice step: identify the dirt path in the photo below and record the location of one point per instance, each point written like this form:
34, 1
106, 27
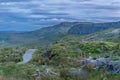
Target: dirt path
27, 56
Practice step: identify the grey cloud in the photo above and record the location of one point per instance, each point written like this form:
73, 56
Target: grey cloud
47, 12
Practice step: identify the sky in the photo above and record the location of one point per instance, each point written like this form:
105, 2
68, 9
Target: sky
27, 15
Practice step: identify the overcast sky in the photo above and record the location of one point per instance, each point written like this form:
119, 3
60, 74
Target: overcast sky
33, 14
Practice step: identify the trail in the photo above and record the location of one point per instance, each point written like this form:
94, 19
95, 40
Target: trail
27, 56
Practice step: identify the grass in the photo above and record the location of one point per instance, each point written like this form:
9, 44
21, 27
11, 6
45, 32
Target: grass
10, 78
60, 57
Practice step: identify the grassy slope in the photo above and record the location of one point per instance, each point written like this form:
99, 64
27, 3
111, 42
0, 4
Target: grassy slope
67, 54
47, 36
105, 35
44, 36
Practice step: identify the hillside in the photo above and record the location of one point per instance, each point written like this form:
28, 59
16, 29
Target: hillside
61, 61
88, 28
48, 35
112, 35
94, 56
44, 36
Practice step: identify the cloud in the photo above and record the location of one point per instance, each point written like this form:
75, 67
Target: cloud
49, 12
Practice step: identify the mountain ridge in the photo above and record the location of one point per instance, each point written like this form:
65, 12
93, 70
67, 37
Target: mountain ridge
49, 35
92, 27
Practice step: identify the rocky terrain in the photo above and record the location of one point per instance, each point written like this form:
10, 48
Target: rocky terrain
109, 64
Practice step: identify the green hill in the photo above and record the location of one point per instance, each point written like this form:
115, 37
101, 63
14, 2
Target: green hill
44, 36
49, 35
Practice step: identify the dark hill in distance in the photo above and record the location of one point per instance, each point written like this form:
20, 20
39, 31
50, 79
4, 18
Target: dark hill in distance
48, 35
88, 28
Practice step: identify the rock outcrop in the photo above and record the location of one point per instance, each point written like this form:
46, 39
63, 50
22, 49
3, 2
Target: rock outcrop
107, 63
